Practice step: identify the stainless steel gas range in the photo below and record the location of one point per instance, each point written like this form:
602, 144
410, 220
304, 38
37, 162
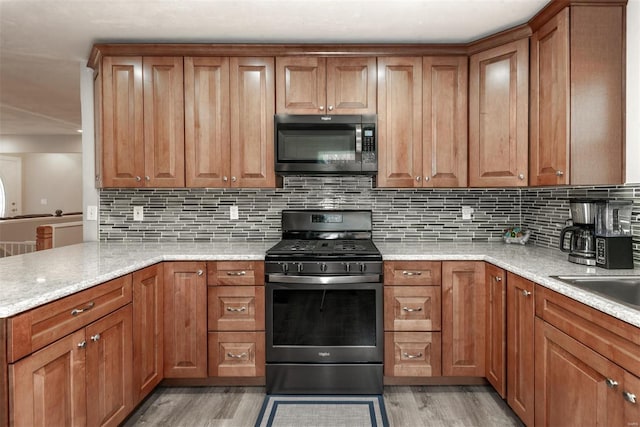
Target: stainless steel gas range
324, 315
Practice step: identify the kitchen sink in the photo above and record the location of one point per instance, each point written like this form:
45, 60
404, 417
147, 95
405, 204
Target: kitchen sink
625, 289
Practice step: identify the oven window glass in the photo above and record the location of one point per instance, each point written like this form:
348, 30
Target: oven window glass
326, 146
316, 317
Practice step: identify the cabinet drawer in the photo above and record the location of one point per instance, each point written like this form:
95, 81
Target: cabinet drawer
235, 273
36, 328
236, 354
616, 340
236, 308
421, 273
412, 308
412, 354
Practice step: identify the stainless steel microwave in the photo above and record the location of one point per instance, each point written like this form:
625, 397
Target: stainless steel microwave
314, 144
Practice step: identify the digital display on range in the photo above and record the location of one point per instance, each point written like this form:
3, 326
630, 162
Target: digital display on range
326, 218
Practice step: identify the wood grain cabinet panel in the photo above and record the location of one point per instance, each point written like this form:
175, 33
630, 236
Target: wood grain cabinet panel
412, 354
185, 320
499, 116
577, 97
463, 318
520, 347
235, 273
148, 330
317, 85
236, 308
252, 89
411, 308
496, 328
236, 354
444, 149
412, 273
206, 128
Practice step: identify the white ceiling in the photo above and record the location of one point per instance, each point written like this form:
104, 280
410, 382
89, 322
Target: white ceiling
44, 42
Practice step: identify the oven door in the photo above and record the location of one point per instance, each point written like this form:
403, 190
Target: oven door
310, 322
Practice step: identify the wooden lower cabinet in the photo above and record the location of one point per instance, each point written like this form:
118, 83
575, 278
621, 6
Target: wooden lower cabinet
412, 354
520, 347
236, 354
81, 379
574, 385
412, 308
496, 328
185, 320
148, 330
463, 318
631, 395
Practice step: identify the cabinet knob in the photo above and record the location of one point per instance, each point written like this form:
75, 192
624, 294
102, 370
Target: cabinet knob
233, 179
611, 383
426, 178
225, 179
138, 179
330, 107
497, 278
521, 177
95, 337
146, 178
629, 397
321, 108
82, 344
526, 293
200, 272
418, 178
559, 173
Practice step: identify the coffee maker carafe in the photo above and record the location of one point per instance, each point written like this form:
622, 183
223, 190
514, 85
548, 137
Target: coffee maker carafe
614, 247
580, 235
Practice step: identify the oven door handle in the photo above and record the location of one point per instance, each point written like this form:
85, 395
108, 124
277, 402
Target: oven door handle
323, 280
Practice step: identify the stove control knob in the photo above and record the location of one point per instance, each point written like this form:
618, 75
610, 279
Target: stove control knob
347, 267
323, 267
363, 267
285, 267
300, 266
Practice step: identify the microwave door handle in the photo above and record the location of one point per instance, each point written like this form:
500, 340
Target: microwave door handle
358, 144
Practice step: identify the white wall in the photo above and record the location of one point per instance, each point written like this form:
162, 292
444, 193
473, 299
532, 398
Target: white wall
40, 144
633, 91
54, 178
89, 191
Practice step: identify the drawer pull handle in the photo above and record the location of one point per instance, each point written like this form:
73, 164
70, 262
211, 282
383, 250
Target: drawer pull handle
412, 273
412, 356
236, 310
611, 383
237, 356
87, 307
82, 344
236, 273
526, 293
411, 310
629, 397
95, 338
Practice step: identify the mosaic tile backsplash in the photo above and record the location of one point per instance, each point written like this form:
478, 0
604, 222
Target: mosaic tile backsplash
419, 214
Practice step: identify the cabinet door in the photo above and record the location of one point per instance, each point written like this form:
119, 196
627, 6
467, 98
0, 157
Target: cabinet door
499, 116
185, 320
463, 318
412, 354
148, 331
109, 359
444, 138
163, 121
252, 109
571, 382
47, 388
412, 308
520, 351
206, 127
631, 396
399, 122
122, 122
351, 85
496, 328
549, 159
300, 85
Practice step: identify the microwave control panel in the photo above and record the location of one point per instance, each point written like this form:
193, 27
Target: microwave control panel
368, 144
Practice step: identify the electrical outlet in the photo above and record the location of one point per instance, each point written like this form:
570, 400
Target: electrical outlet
138, 213
92, 213
233, 212
467, 212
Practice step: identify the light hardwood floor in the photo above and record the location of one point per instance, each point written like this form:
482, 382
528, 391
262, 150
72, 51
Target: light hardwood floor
406, 406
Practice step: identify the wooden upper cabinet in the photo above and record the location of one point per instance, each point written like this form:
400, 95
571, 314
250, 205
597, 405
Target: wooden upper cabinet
577, 97
444, 89
499, 116
207, 147
316, 85
252, 88
399, 122
122, 122
143, 122
163, 121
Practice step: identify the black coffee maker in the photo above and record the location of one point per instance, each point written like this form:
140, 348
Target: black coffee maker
580, 235
614, 242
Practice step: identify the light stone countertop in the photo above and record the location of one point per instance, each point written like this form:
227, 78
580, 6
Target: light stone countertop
27, 281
